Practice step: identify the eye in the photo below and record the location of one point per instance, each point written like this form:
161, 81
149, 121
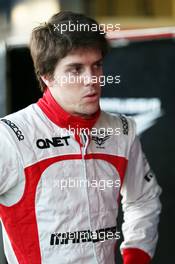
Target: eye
76, 70
98, 65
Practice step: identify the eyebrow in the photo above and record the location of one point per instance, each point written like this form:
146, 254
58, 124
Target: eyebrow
77, 64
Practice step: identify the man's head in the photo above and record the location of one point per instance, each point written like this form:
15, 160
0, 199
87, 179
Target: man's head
70, 45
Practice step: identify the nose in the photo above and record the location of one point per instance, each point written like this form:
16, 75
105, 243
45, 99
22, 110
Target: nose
89, 78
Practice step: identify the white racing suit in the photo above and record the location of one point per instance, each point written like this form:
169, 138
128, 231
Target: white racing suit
59, 191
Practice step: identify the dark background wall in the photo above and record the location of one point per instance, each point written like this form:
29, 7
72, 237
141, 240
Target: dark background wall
147, 70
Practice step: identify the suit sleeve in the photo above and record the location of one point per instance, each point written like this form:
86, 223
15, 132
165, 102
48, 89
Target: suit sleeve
141, 206
9, 165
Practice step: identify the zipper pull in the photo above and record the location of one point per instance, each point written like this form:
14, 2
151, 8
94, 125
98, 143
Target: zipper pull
85, 141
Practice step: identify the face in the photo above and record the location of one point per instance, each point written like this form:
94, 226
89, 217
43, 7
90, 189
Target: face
75, 84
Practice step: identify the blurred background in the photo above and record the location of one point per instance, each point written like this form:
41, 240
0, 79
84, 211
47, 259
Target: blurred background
142, 53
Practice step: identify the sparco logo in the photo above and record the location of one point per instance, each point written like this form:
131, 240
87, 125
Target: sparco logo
15, 129
55, 142
125, 124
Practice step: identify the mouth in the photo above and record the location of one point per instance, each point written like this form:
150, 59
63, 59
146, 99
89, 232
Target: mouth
91, 97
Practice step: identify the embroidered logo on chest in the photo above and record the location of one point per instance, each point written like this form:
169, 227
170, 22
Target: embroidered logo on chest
100, 140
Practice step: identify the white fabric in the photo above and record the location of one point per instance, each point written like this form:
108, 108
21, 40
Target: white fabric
85, 208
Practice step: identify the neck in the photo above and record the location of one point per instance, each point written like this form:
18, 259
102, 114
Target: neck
62, 118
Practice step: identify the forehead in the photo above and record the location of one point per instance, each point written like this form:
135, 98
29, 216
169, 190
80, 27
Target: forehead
83, 56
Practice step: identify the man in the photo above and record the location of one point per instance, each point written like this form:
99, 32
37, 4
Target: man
64, 162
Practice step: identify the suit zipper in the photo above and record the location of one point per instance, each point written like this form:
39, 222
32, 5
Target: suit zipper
84, 139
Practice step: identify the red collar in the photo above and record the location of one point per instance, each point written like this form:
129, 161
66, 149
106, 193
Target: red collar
60, 117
